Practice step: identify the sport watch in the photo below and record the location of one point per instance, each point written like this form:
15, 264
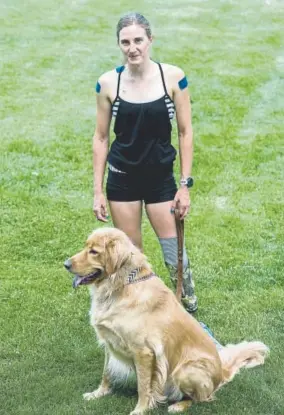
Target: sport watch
188, 182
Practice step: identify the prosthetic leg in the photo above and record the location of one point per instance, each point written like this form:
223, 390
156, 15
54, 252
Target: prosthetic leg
170, 252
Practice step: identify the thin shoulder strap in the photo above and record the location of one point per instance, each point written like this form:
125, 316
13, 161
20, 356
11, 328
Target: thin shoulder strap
119, 70
163, 78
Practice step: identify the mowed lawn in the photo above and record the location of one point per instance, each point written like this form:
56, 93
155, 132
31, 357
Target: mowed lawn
52, 53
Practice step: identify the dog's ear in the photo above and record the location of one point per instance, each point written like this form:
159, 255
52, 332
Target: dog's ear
117, 253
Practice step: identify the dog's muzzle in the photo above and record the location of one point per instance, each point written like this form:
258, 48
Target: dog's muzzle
81, 279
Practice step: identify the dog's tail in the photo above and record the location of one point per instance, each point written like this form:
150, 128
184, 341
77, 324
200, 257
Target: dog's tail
236, 356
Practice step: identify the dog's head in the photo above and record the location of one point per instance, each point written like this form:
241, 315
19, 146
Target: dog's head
106, 251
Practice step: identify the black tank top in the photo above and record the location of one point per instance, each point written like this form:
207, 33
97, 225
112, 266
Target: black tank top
142, 132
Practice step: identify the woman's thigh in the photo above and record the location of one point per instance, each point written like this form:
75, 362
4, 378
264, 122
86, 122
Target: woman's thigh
127, 217
161, 219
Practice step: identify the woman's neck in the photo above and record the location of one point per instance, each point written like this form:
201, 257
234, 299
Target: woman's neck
140, 71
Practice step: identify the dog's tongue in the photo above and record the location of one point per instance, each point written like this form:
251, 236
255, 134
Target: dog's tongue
88, 279
76, 281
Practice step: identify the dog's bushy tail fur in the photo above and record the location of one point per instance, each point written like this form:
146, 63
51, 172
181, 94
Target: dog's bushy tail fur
236, 356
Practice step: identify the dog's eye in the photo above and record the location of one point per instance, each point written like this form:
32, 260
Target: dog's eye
93, 252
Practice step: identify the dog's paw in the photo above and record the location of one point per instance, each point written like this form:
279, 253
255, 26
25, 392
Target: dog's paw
179, 407
98, 393
138, 411
174, 409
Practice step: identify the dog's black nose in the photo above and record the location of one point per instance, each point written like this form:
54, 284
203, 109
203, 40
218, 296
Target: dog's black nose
68, 264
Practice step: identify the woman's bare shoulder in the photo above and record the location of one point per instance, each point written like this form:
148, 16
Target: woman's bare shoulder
172, 71
107, 79
107, 84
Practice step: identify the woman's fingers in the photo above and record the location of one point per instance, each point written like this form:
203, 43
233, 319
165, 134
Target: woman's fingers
183, 210
104, 211
100, 216
100, 211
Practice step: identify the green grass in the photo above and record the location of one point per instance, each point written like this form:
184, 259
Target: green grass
52, 54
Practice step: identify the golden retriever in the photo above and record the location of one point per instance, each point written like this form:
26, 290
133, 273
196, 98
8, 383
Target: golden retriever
145, 329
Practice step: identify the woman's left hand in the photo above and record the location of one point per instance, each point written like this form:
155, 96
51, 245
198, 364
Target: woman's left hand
181, 202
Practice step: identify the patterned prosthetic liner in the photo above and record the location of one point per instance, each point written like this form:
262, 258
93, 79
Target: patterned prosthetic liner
170, 251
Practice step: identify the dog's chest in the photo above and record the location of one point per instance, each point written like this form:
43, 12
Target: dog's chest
109, 330
107, 335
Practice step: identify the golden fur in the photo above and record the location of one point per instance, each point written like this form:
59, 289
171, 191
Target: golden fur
144, 329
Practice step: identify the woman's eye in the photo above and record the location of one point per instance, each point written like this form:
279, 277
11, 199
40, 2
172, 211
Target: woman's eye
93, 252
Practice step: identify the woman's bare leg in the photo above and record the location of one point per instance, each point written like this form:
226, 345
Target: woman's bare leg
126, 216
161, 219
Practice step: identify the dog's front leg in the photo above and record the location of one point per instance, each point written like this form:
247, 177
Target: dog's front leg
144, 364
104, 388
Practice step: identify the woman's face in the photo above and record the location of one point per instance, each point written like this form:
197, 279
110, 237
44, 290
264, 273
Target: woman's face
134, 44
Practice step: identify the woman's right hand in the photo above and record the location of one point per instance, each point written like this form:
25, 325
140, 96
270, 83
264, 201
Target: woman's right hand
100, 207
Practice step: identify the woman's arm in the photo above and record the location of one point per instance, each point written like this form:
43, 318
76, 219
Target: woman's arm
185, 135
100, 148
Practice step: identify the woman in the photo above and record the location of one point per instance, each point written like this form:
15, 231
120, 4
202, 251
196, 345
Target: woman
143, 96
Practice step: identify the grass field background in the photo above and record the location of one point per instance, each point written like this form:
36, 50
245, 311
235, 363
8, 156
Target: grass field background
52, 53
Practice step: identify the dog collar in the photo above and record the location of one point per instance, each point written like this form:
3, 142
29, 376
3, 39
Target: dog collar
131, 278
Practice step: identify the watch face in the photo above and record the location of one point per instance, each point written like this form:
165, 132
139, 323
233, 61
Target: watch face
190, 182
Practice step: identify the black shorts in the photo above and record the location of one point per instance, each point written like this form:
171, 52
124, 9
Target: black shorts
152, 187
